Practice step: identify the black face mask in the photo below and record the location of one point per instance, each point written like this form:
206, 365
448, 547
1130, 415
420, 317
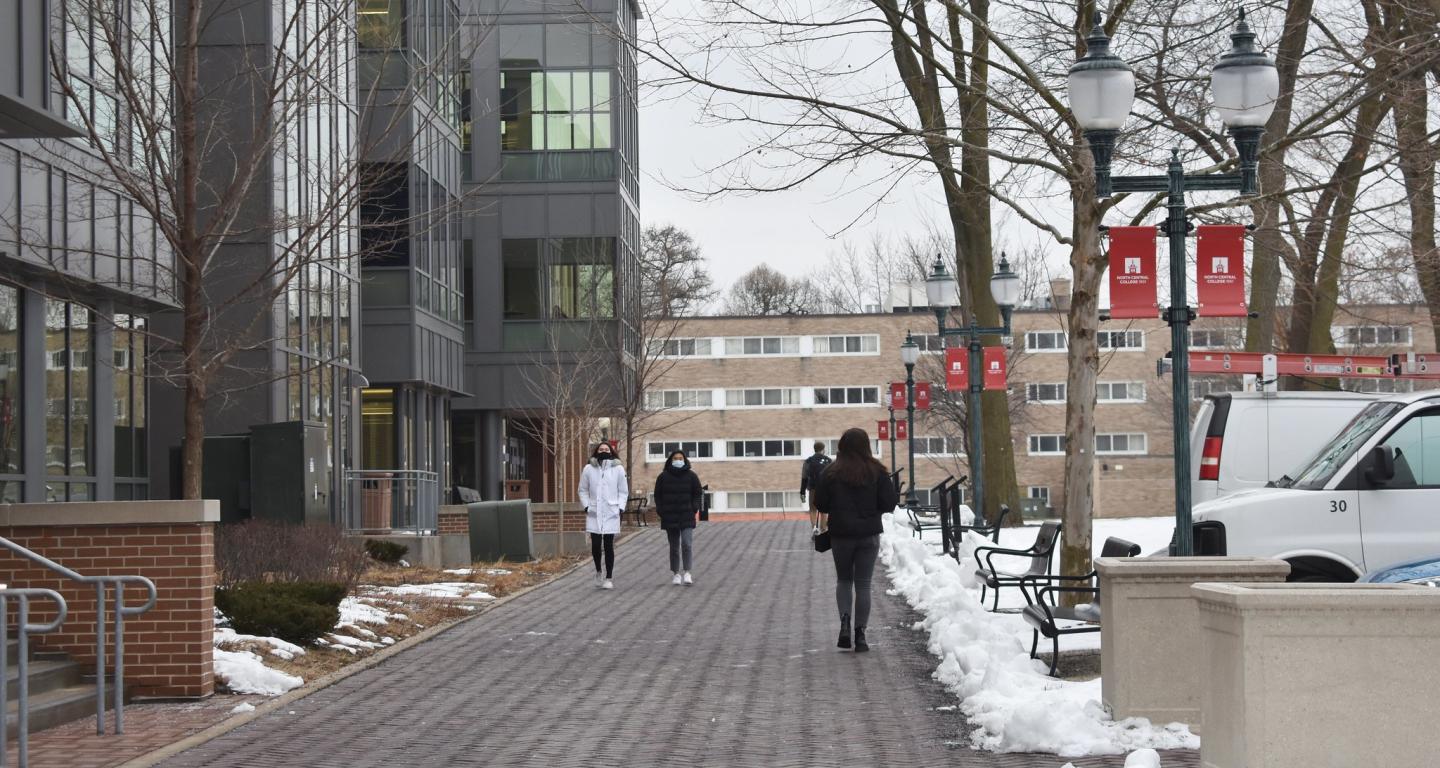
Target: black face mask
603, 456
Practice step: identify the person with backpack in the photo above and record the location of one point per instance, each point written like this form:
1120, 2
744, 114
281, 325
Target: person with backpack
678, 498
604, 492
852, 493
810, 477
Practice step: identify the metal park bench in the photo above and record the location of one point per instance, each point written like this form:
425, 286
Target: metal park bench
1040, 556
1043, 615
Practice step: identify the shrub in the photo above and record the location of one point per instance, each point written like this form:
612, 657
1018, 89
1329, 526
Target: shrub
385, 551
265, 551
299, 612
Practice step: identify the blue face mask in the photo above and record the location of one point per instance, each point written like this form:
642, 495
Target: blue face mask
678, 464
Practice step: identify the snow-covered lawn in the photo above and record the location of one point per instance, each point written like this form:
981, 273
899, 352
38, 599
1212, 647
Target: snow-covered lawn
1013, 705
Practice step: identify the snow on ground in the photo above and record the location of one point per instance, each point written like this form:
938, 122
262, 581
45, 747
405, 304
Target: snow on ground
1013, 705
245, 672
454, 589
278, 647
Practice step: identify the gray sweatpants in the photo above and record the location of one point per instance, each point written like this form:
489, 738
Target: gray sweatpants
854, 568
681, 540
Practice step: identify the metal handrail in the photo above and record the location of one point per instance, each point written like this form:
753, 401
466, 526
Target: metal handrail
412, 497
23, 595
121, 611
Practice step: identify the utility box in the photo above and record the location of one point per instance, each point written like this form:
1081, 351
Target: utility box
500, 530
289, 473
226, 477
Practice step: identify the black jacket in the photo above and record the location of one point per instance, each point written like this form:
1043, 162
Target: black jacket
855, 510
811, 469
677, 496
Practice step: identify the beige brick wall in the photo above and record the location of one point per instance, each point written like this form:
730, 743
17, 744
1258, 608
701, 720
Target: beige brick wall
1126, 484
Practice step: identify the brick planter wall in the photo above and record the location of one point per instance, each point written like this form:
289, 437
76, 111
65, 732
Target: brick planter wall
168, 650
454, 519
545, 518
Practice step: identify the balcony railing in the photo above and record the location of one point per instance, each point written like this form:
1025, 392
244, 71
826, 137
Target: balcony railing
393, 500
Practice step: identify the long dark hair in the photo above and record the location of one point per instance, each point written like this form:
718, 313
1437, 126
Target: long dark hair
854, 465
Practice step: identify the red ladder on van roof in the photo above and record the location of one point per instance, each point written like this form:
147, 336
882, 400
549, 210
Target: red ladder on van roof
1406, 366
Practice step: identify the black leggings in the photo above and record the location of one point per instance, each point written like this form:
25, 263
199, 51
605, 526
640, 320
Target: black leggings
608, 541
854, 571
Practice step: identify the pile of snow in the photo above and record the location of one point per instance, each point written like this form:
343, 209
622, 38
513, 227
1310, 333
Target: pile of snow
359, 610
1143, 758
1012, 703
242, 708
278, 647
463, 590
245, 672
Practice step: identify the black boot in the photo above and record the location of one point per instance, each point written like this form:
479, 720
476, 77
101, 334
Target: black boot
860, 645
844, 641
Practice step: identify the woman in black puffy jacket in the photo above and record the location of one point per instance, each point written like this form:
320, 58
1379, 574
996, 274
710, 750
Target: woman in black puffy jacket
853, 492
677, 501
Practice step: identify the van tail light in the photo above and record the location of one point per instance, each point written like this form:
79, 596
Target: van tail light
1210, 459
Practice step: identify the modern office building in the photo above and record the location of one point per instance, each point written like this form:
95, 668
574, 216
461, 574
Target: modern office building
552, 231
412, 341
748, 396
81, 268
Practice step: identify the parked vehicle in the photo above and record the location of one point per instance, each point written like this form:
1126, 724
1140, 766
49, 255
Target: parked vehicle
1246, 439
1425, 571
1366, 501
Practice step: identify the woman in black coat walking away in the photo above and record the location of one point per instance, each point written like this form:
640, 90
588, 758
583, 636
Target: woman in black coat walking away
677, 500
852, 494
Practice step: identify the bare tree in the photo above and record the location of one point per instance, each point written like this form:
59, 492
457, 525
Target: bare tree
674, 281
206, 145
853, 280
764, 291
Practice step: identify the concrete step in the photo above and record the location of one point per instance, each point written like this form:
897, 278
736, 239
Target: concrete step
45, 675
52, 708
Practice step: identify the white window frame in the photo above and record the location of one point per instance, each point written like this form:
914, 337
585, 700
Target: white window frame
1111, 386
948, 446
679, 342
1340, 335
1231, 338
1044, 492
1128, 334
847, 403
681, 398
794, 395
797, 455
832, 446
1032, 336
1032, 392
1038, 440
690, 447
873, 338
794, 340
788, 500
1129, 450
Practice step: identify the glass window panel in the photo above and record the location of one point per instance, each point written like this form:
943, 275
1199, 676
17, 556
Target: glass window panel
10, 402
558, 131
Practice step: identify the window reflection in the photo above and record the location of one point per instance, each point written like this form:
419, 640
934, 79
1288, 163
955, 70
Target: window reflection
11, 462
69, 390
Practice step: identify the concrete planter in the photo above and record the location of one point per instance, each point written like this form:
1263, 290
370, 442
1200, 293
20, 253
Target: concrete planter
1150, 647
1304, 675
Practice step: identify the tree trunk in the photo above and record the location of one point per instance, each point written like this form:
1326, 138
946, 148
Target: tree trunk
1087, 268
1270, 247
1417, 163
191, 254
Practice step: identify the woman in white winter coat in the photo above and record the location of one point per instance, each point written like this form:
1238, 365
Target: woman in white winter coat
603, 491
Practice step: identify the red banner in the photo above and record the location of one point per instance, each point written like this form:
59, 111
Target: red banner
883, 429
922, 395
956, 378
1221, 277
995, 368
1132, 273
902, 430
897, 395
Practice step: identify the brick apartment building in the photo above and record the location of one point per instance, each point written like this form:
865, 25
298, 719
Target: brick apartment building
747, 397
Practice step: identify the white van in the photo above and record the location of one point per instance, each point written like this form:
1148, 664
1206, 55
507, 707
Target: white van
1369, 499
1246, 439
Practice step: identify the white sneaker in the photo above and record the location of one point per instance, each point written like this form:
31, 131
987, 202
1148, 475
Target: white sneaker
599, 580
675, 580
608, 584
687, 581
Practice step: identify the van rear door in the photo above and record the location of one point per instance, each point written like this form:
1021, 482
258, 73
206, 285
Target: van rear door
1205, 444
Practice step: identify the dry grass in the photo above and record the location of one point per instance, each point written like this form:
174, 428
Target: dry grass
420, 612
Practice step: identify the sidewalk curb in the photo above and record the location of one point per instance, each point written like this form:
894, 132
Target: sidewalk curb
319, 684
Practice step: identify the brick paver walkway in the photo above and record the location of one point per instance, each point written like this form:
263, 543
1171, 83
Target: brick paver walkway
148, 726
739, 670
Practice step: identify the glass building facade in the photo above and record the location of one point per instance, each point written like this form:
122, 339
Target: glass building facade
551, 237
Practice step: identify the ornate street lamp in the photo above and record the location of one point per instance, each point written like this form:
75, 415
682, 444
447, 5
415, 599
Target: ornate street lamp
1245, 85
910, 355
941, 291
